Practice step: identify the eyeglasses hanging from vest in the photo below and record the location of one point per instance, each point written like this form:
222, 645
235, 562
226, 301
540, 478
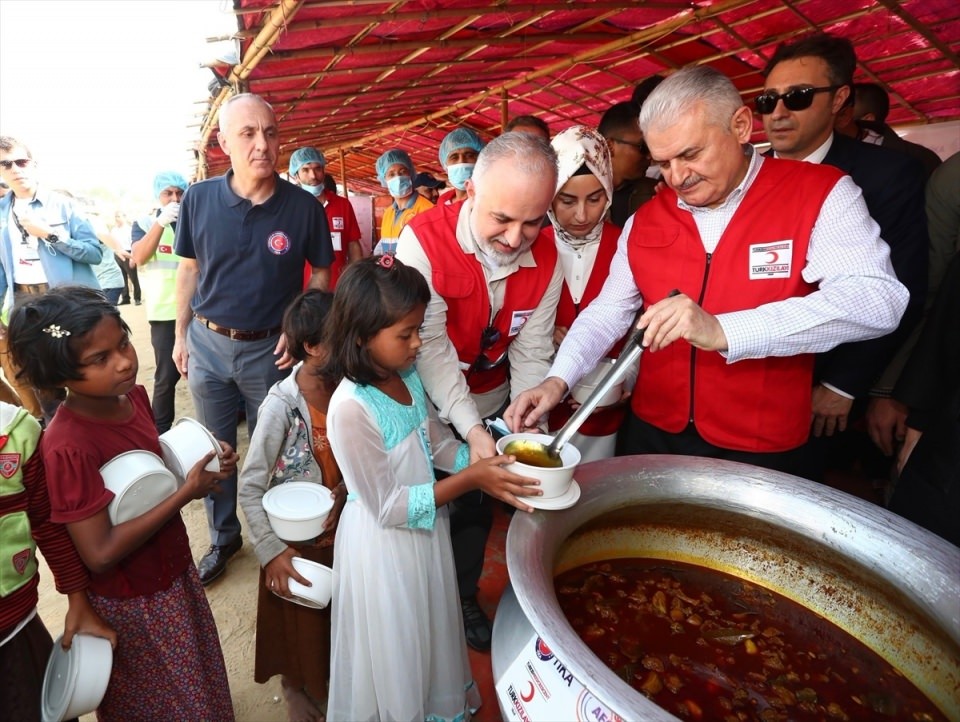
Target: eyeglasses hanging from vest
488, 337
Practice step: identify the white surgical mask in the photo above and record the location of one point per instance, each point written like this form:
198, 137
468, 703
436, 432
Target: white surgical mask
459, 174
400, 186
313, 190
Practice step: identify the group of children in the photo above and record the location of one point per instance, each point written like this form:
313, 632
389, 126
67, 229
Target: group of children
352, 416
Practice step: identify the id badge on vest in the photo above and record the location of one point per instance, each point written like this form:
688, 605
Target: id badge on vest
517, 320
335, 240
771, 260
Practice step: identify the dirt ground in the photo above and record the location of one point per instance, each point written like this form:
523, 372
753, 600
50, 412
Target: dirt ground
232, 597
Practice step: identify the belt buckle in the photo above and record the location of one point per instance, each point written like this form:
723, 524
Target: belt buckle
235, 334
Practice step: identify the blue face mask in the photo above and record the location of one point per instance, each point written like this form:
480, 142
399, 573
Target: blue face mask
400, 186
313, 190
459, 173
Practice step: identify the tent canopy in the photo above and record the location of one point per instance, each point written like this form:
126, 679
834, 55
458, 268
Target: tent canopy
358, 77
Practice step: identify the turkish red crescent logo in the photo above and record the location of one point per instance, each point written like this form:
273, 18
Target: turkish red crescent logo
772, 256
20, 560
278, 243
9, 463
529, 696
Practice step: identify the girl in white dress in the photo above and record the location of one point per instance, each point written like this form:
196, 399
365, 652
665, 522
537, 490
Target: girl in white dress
398, 650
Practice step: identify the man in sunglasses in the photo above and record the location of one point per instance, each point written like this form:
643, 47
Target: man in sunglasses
808, 82
44, 241
628, 156
773, 261
488, 329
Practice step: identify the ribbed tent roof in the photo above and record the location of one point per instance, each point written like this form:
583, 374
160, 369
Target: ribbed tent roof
357, 77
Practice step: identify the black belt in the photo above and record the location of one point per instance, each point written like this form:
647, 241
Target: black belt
237, 334
31, 287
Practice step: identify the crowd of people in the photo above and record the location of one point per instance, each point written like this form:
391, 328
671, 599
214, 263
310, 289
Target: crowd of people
794, 303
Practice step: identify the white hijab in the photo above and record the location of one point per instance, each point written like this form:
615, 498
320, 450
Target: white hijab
576, 147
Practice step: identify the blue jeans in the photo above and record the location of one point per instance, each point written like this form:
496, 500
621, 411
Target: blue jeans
221, 372
112, 294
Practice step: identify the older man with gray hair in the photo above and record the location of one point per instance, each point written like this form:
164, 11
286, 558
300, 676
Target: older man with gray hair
774, 261
495, 285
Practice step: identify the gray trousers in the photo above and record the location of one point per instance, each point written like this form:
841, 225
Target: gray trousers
221, 372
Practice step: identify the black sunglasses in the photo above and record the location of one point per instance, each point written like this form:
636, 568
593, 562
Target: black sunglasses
794, 99
19, 162
488, 337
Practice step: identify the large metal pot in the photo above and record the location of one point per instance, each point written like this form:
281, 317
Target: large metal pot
893, 585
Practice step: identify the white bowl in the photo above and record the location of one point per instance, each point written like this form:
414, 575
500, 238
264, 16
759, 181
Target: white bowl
139, 481
321, 578
76, 679
297, 509
185, 444
581, 392
553, 482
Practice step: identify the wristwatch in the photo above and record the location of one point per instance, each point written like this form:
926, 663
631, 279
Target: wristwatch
52, 238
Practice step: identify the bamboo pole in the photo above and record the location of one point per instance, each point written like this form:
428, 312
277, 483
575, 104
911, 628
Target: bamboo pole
265, 39
626, 41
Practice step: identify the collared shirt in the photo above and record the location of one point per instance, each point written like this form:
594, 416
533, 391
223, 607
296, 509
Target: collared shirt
577, 263
27, 268
438, 362
858, 294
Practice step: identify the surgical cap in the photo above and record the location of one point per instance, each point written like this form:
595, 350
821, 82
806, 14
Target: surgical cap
392, 157
459, 138
168, 179
302, 156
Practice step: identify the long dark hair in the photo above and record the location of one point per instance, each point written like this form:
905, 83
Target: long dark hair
372, 294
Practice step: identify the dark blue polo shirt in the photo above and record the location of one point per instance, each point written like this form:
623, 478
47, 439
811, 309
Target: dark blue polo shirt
250, 257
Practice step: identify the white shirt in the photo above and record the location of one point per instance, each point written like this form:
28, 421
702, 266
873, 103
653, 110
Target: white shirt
438, 363
577, 263
858, 296
27, 268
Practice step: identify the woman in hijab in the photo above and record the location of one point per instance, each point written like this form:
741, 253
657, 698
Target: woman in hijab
396, 172
586, 242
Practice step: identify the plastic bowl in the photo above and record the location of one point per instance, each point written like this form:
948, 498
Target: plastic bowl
581, 392
76, 679
298, 509
139, 481
321, 577
553, 482
185, 444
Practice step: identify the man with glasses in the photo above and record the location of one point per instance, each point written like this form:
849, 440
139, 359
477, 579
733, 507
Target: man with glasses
766, 278
44, 242
488, 329
620, 126
808, 82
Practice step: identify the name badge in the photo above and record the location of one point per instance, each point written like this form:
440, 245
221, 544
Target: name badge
517, 320
335, 240
338, 223
771, 260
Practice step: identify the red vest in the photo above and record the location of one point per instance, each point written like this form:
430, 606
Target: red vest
756, 405
340, 219
603, 421
458, 278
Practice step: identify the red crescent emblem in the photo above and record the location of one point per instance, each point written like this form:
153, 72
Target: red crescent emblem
529, 696
772, 256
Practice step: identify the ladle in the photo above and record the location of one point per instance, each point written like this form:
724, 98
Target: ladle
535, 453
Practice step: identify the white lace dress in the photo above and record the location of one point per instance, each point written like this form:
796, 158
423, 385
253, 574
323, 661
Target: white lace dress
398, 650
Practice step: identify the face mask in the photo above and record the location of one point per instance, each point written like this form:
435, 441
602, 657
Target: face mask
313, 190
400, 186
459, 174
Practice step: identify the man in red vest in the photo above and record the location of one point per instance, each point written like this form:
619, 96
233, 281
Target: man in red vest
488, 329
774, 261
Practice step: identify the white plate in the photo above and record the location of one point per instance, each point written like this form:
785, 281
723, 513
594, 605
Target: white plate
301, 601
564, 501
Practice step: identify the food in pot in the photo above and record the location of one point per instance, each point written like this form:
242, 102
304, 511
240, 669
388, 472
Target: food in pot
705, 645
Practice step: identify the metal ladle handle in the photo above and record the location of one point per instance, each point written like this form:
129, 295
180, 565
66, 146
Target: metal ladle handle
631, 352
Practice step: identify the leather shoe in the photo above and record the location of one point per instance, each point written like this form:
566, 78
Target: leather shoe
214, 562
476, 626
